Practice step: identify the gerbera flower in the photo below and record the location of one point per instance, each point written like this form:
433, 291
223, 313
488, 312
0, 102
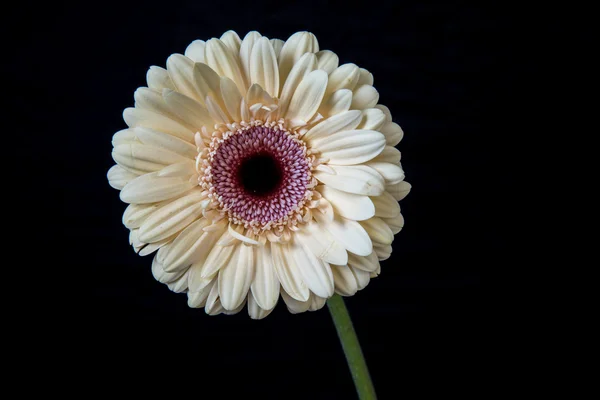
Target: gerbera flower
258, 168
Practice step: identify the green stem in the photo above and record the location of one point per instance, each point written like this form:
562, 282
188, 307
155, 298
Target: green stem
354, 355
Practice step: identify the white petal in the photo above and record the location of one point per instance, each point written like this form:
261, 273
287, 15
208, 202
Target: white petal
181, 71
365, 96
315, 272
158, 79
254, 309
232, 40
348, 205
140, 158
389, 155
366, 78
350, 234
369, 263
231, 98
392, 173
188, 110
277, 46
172, 217
372, 118
196, 282
246, 50
399, 190
152, 187
344, 121
263, 67
135, 214
217, 258
152, 247
288, 272
345, 283
119, 177
165, 141
213, 303
221, 59
294, 48
386, 111
358, 179
307, 97
322, 244
305, 65
338, 102
195, 51
198, 299
152, 100
316, 302
362, 277
396, 223
293, 305
393, 133
192, 245
327, 60
235, 277
378, 230
344, 77
177, 282
124, 136
135, 117
386, 206
350, 147
206, 82
265, 287
383, 251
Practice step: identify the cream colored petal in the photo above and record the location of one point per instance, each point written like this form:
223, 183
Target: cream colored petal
232, 40
222, 60
263, 67
213, 303
135, 241
386, 112
396, 223
322, 244
315, 272
327, 60
316, 302
343, 77
365, 96
139, 157
192, 245
345, 283
135, 117
207, 81
151, 137
338, 102
217, 113
378, 230
119, 177
196, 282
350, 147
188, 110
357, 179
392, 173
386, 206
217, 258
393, 133
173, 217
198, 299
254, 309
383, 251
152, 100
372, 118
277, 46
158, 79
136, 214
265, 287
152, 187
389, 155
288, 272
344, 121
350, 234
399, 190
124, 136
246, 50
366, 78
293, 49
348, 205
307, 97
181, 71
195, 51
231, 98
177, 282
293, 305
362, 277
236, 277
154, 246
369, 263
305, 65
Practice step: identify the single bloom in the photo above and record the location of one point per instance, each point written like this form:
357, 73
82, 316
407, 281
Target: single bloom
257, 168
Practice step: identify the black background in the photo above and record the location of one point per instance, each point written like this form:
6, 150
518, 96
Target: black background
444, 69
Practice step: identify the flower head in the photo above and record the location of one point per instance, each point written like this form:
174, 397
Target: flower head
259, 167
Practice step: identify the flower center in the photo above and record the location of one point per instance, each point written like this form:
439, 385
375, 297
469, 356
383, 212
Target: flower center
259, 174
